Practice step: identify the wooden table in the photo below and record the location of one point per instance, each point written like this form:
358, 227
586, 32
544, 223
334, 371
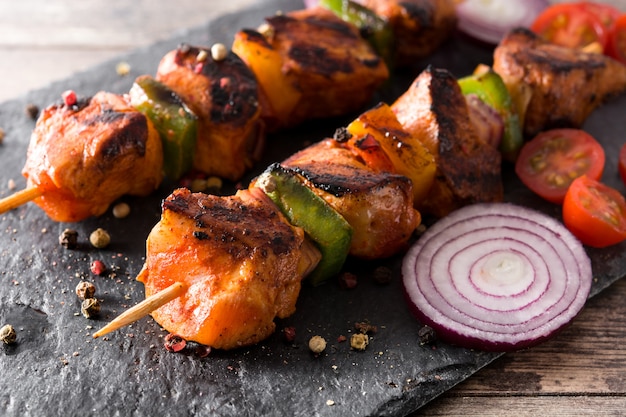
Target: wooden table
581, 372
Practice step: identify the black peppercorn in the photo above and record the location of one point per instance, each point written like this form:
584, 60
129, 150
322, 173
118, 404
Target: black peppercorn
69, 239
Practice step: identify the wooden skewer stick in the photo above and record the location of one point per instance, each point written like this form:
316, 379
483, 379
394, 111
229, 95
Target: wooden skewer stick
19, 198
144, 308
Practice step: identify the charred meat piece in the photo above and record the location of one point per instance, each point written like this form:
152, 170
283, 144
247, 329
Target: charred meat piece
82, 156
419, 26
310, 64
240, 259
223, 94
378, 205
555, 86
468, 170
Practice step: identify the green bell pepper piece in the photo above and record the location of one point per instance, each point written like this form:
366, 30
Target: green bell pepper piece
488, 86
375, 29
303, 208
176, 124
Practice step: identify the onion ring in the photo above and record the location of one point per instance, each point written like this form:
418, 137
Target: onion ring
496, 276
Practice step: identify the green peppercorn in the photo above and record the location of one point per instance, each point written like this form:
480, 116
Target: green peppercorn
90, 307
7, 334
100, 238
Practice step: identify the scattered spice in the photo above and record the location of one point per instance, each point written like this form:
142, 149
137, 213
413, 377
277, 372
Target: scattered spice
317, 344
85, 290
348, 280
97, 267
341, 338
202, 55
383, 275
426, 335
7, 334
359, 341
32, 111
90, 307
69, 97
289, 334
11, 184
219, 52
121, 210
122, 68
365, 327
69, 239
2, 135
174, 343
100, 238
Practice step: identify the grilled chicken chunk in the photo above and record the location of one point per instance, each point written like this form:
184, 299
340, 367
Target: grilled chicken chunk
223, 94
241, 260
468, 170
378, 205
81, 156
310, 64
419, 26
555, 86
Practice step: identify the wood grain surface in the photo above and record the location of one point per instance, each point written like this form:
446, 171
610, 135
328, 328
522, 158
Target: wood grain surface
581, 372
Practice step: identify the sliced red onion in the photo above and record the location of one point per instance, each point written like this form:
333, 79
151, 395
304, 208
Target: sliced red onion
497, 277
490, 20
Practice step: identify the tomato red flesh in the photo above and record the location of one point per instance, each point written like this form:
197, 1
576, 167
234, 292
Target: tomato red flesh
553, 159
617, 40
595, 213
571, 25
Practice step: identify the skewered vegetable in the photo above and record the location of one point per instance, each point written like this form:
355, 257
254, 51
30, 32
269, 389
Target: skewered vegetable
176, 124
328, 229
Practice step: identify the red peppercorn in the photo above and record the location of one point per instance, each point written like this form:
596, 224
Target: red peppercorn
174, 343
347, 280
289, 333
69, 97
97, 267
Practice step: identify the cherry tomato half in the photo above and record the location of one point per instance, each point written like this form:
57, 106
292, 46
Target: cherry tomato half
606, 13
569, 24
595, 213
622, 163
553, 159
617, 40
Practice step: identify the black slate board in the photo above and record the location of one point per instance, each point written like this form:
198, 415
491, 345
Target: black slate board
56, 368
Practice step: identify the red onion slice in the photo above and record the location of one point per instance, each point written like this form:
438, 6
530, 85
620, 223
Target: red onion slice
490, 20
497, 277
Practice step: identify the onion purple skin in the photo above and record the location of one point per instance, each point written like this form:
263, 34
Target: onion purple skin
531, 286
449, 336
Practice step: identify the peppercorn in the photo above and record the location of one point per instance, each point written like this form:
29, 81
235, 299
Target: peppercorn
100, 238
32, 111
219, 52
383, 275
342, 135
69, 97
121, 210
69, 239
348, 280
174, 343
97, 267
426, 335
85, 290
289, 334
317, 344
359, 341
8, 334
90, 307
2, 135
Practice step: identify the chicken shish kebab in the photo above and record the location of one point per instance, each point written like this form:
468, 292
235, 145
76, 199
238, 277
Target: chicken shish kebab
426, 141
212, 107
